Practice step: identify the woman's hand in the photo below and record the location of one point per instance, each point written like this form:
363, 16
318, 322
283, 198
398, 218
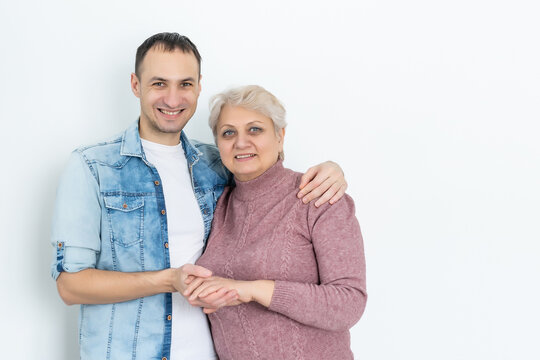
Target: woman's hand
199, 289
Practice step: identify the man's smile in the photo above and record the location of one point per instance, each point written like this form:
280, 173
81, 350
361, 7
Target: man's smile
166, 112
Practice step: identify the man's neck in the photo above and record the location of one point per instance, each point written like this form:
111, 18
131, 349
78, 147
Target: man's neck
159, 137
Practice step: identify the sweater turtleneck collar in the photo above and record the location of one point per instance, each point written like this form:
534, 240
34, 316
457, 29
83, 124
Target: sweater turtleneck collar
264, 183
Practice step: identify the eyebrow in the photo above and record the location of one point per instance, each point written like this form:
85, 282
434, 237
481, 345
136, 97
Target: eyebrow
157, 78
249, 123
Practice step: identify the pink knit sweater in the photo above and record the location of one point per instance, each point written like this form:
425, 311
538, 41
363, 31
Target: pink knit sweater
262, 231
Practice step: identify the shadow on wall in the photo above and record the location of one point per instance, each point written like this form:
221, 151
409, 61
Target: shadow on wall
65, 317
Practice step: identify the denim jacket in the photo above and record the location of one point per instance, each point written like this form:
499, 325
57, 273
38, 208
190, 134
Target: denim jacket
110, 215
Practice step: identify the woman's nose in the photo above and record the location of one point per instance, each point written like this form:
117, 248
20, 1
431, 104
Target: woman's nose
242, 140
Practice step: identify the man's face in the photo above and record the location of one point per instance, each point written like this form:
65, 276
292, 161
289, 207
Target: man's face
168, 87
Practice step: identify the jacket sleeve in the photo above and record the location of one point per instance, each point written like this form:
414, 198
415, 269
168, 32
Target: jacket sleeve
210, 153
338, 301
76, 219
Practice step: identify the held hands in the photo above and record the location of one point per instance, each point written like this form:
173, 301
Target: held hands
201, 289
325, 181
186, 273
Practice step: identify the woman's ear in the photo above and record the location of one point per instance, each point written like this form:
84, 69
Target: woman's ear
281, 135
281, 138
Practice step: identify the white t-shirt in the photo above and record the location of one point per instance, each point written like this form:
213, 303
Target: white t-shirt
191, 338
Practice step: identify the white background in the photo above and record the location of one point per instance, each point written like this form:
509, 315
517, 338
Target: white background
431, 108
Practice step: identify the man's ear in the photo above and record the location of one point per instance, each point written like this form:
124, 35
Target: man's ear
135, 85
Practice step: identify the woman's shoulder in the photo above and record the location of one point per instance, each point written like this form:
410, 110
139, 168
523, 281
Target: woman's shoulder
346, 203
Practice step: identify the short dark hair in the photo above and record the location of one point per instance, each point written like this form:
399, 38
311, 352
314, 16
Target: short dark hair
168, 42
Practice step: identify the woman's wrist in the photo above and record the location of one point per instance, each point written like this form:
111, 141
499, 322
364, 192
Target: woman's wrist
262, 291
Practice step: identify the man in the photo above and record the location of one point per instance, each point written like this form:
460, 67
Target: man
133, 213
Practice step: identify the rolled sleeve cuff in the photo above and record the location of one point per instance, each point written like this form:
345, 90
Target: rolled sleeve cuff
72, 259
283, 298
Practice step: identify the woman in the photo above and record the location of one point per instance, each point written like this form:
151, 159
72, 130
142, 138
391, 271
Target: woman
299, 270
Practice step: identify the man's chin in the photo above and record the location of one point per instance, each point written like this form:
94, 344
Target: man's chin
170, 128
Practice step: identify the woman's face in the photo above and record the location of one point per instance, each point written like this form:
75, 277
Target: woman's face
247, 142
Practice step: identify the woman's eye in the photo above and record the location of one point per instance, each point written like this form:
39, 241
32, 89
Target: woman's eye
254, 129
228, 133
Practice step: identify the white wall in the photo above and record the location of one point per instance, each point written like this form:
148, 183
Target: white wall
431, 108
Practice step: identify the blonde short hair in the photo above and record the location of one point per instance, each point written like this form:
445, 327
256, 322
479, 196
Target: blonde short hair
250, 97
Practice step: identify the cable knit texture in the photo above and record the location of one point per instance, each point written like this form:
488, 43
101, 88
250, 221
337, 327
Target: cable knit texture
262, 231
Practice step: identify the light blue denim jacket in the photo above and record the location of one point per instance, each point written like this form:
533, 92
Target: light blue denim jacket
110, 214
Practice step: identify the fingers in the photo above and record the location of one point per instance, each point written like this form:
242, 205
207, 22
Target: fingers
204, 289
328, 194
196, 270
306, 178
319, 188
203, 286
213, 300
308, 189
326, 181
217, 299
209, 290
189, 279
332, 194
222, 297
193, 286
339, 194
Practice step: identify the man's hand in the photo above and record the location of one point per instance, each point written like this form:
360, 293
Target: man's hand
183, 272
326, 179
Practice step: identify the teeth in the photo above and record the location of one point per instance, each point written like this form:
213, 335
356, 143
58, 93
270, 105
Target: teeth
243, 156
170, 112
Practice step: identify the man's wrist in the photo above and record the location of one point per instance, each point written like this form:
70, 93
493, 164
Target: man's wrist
167, 279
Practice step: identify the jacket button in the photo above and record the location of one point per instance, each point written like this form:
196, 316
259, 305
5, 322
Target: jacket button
162, 212
164, 358
166, 245
169, 317
156, 183
205, 211
124, 206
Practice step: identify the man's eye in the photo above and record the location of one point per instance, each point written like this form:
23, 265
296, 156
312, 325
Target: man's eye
186, 84
159, 84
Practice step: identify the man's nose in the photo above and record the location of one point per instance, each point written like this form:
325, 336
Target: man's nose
173, 98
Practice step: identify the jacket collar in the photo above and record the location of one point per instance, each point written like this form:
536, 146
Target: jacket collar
131, 144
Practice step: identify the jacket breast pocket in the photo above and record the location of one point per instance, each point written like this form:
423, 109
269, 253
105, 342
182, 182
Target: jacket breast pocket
126, 218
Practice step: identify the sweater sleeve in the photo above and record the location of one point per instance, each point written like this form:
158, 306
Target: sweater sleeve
338, 301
